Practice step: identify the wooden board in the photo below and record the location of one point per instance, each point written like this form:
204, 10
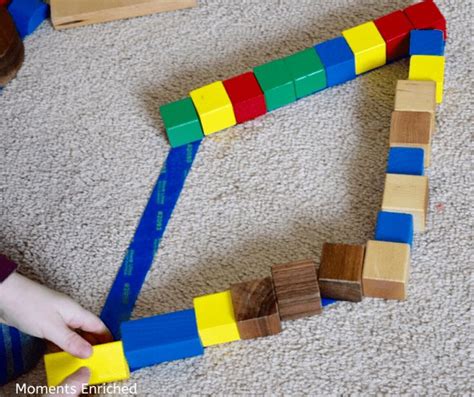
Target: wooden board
255, 308
73, 13
297, 289
340, 271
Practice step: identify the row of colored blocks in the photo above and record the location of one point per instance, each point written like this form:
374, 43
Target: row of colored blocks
406, 191
222, 104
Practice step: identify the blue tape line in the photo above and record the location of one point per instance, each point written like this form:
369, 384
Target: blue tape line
16, 351
141, 251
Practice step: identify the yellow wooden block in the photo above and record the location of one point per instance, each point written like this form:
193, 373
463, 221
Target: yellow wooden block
386, 270
215, 318
107, 364
428, 67
214, 107
407, 194
368, 46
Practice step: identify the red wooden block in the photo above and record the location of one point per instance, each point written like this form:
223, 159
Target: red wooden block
426, 15
395, 29
246, 96
4, 2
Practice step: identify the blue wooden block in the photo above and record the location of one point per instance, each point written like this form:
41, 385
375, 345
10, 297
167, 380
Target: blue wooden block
394, 227
426, 42
327, 301
166, 337
338, 60
406, 161
28, 15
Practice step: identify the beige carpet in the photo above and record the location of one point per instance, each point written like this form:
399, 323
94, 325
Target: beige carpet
82, 143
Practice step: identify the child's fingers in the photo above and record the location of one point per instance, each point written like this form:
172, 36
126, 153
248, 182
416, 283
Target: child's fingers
75, 383
68, 340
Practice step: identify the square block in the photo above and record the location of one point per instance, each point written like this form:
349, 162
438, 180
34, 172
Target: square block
412, 129
181, 122
426, 42
107, 364
426, 15
214, 107
28, 15
368, 46
416, 96
296, 289
276, 83
340, 271
406, 161
255, 308
395, 227
338, 60
407, 194
307, 72
395, 29
215, 318
386, 270
428, 67
246, 96
157, 339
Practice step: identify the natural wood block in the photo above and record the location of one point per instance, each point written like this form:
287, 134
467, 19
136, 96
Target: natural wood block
415, 96
412, 129
69, 14
386, 270
255, 308
296, 289
107, 364
407, 194
340, 271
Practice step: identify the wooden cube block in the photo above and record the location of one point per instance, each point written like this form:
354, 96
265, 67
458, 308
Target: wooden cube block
407, 194
406, 161
181, 122
394, 227
386, 270
161, 338
412, 129
296, 289
28, 15
256, 309
395, 30
276, 83
12, 51
426, 42
307, 72
368, 46
338, 60
215, 318
428, 67
340, 271
415, 96
214, 107
426, 15
107, 364
246, 96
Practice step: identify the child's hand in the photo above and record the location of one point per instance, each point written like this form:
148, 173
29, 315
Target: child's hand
41, 312
74, 383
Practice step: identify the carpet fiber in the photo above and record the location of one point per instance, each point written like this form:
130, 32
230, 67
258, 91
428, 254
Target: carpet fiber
82, 143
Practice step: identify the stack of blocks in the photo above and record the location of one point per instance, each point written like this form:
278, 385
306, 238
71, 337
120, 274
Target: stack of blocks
280, 82
347, 272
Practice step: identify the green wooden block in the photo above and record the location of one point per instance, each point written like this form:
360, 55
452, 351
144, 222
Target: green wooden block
276, 83
307, 71
181, 122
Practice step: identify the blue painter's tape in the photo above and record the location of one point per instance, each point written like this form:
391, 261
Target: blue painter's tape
141, 251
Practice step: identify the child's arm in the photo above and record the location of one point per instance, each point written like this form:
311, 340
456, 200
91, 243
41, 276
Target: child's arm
41, 312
